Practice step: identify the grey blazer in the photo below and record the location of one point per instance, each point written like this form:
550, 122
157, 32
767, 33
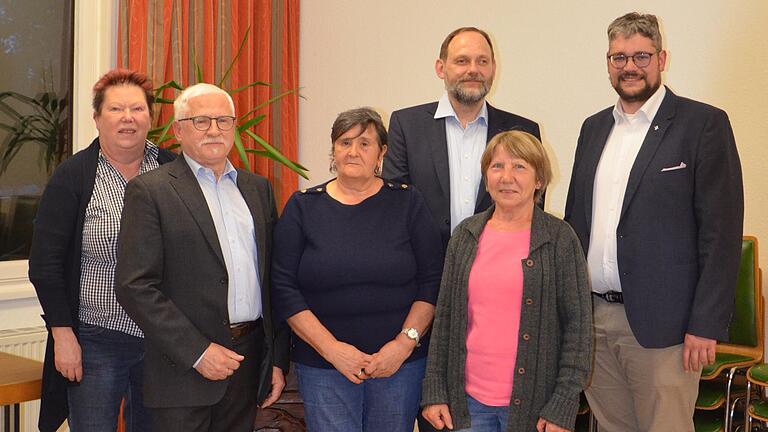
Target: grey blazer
172, 281
417, 154
679, 233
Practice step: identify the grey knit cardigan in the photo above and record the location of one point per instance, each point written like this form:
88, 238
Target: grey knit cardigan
554, 353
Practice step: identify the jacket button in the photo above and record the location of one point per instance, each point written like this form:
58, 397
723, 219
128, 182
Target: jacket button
223, 281
526, 336
521, 371
529, 301
517, 402
447, 221
225, 322
529, 263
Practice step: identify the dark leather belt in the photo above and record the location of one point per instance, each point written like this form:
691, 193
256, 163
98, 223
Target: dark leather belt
610, 296
244, 328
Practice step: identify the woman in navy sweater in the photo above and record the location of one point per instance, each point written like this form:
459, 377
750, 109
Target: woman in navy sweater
356, 271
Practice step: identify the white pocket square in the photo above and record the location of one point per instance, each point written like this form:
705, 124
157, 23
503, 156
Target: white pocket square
676, 167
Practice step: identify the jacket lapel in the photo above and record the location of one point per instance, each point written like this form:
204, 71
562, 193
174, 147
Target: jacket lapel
495, 127
186, 186
653, 138
439, 143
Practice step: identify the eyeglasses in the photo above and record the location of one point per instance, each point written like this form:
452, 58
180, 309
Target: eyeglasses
640, 59
203, 123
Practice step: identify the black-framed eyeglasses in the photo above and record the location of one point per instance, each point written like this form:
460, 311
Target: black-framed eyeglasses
203, 123
640, 59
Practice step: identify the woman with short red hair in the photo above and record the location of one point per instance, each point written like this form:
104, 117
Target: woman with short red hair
94, 357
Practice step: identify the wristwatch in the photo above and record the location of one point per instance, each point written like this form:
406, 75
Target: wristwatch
412, 333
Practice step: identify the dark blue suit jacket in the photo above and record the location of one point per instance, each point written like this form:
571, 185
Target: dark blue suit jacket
417, 154
679, 233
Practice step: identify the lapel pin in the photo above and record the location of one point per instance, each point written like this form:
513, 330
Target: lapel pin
656, 127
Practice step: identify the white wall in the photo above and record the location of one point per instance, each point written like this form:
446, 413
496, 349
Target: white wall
551, 68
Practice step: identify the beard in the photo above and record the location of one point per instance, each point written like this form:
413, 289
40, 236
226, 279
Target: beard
468, 96
640, 95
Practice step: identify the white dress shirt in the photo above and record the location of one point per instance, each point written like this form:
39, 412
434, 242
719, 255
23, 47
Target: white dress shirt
465, 149
611, 178
237, 238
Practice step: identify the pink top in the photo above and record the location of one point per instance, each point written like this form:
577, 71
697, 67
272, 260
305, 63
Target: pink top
494, 300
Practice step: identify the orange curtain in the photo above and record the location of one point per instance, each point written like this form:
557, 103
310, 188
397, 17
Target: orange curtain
166, 39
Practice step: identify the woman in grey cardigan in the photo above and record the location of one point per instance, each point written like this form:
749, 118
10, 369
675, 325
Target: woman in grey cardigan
511, 342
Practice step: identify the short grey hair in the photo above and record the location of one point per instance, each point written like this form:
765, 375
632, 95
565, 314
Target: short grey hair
181, 104
634, 23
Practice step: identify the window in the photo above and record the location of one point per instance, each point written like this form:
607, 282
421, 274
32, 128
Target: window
36, 53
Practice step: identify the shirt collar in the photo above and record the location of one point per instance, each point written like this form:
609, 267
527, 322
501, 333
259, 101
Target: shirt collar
648, 110
201, 171
445, 109
151, 151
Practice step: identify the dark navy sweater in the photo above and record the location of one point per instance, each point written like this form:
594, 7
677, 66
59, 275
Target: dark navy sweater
358, 268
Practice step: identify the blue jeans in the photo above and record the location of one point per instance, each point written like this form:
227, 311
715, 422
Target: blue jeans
113, 365
484, 418
333, 403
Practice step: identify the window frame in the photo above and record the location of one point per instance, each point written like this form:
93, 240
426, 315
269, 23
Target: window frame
95, 28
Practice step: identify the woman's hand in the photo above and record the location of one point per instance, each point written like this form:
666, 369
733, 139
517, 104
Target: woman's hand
438, 415
66, 353
348, 360
390, 357
545, 426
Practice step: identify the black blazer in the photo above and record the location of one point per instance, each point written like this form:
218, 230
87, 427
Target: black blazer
679, 232
54, 263
172, 281
418, 154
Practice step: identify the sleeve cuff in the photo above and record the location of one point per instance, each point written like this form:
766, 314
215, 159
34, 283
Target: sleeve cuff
561, 410
433, 391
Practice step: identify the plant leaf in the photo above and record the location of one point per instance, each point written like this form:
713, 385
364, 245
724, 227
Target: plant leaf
276, 155
241, 152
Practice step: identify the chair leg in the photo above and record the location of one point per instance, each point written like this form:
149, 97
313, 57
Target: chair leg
747, 419
592, 422
728, 412
733, 406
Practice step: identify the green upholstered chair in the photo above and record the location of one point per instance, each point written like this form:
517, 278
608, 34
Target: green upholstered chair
757, 410
743, 349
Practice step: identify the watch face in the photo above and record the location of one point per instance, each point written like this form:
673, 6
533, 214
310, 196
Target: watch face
412, 333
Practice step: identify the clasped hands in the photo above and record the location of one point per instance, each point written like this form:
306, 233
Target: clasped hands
358, 366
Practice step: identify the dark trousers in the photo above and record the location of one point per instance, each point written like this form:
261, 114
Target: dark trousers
236, 411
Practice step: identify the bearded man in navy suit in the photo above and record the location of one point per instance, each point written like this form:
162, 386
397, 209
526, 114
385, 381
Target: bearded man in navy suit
437, 146
656, 199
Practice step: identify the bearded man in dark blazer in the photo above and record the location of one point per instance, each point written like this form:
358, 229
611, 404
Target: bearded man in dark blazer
437, 146
656, 199
193, 273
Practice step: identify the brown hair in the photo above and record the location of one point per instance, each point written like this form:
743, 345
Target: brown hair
634, 23
453, 34
524, 146
122, 77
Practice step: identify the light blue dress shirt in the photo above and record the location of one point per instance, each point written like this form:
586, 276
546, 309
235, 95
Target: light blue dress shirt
465, 149
237, 237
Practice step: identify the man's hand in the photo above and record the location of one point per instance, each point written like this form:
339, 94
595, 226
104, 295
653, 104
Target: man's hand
438, 415
390, 357
218, 362
278, 384
67, 355
697, 352
348, 360
546, 426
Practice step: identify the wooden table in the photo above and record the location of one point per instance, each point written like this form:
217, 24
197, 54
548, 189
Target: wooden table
20, 381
